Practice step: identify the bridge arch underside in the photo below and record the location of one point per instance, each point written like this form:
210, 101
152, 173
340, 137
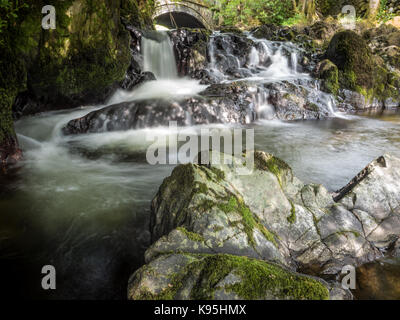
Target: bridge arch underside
182, 20
183, 16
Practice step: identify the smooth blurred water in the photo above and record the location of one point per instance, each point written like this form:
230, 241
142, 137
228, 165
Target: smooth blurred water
159, 56
82, 203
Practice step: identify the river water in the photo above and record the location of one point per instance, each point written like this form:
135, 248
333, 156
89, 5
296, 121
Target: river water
82, 203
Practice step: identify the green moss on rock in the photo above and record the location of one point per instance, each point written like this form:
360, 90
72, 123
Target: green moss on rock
191, 235
278, 167
292, 218
359, 69
87, 52
256, 280
249, 220
329, 73
354, 59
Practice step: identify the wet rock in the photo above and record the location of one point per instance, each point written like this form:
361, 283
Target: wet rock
329, 74
352, 101
235, 102
221, 277
217, 104
267, 31
292, 101
190, 47
296, 225
374, 196
133, 79
230, 52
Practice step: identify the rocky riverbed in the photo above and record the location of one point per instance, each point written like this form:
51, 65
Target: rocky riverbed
218, 235
322, 98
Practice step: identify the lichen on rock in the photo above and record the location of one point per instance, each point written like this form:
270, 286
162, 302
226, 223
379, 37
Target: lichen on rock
204, 212
221, 276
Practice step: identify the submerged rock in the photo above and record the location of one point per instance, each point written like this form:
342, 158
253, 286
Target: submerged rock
269, 215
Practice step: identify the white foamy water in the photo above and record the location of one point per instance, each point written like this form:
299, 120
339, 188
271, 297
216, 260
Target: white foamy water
83, 202
160, 89
159, 58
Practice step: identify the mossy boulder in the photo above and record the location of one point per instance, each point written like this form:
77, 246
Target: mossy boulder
80, 62
329, 74
212, 231
221, 277
360, 70
354, 60
206, 215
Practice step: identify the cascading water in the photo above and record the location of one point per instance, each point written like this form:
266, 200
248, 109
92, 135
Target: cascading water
267, 62
159, 59
81, 203
158, 56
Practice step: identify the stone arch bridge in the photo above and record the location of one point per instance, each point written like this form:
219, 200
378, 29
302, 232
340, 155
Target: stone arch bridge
184, 13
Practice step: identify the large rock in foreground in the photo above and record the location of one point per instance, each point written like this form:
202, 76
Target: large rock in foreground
269, 215
222, 277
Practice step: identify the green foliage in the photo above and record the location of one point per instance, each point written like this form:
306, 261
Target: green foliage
297, 19
245, 13
9, 14
384, 15
138, 13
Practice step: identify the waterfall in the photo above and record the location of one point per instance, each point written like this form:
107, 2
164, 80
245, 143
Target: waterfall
265, 63
159, 56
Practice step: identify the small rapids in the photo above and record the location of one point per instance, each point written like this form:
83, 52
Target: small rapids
82, 203
268, 62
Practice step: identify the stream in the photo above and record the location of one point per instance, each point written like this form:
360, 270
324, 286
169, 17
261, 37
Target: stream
82, 202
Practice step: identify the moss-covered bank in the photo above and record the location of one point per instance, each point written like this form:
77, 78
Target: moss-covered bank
359, 69
80, 62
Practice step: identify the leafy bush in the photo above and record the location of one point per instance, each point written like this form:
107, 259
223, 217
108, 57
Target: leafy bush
9, 12
384, 15
244, 13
